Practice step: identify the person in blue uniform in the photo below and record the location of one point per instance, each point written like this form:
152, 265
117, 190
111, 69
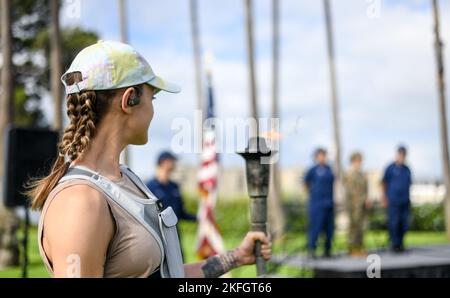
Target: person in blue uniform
167, 190
319, 181
396, 184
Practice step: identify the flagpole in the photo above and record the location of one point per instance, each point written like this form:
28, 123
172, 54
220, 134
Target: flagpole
209, 238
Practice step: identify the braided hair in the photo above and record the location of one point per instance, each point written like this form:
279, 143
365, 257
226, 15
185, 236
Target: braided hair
85, 110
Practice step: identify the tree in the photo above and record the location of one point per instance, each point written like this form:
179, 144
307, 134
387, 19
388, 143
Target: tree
276, 217
334, 97
442, 114
251, 67
55, 62
73, 40
9, 252
195, 36
124, 39
29, 18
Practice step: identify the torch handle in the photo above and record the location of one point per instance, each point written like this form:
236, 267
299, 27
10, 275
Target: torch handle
260, 262
257, 169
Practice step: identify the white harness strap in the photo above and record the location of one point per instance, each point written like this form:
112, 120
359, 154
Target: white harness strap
167, 225
161, 224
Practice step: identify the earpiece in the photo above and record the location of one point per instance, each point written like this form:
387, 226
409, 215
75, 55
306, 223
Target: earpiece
134, 100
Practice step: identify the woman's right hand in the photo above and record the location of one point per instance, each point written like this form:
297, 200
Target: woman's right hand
245, 253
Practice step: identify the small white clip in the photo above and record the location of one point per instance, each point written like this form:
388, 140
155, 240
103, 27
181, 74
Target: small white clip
78, 87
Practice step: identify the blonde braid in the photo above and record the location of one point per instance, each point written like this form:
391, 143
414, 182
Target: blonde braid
85, 124
73, 112
85, 111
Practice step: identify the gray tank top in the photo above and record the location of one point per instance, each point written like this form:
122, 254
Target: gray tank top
133, 251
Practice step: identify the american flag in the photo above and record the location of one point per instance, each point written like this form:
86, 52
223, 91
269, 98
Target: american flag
209, 239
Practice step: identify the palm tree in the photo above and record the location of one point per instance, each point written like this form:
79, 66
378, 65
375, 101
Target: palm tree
123, 21
9, 253
197, 63
124, 39
442, 114
276, 217
334, 97
251, 67
55, 62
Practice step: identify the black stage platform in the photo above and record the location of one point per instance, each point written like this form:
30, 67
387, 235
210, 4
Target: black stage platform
427, 261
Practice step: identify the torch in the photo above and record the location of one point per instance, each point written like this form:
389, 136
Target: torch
256, 157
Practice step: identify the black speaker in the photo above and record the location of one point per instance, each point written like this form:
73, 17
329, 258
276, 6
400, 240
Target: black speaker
30, 152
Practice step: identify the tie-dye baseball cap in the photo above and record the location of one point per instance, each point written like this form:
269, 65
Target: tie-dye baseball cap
108, 65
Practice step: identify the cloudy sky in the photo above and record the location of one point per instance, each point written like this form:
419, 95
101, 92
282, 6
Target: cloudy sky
385, 69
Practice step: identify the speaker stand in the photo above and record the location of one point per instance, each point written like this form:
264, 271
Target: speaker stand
25, 243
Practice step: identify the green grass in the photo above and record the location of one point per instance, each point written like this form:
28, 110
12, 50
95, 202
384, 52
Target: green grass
35, 266
293, 243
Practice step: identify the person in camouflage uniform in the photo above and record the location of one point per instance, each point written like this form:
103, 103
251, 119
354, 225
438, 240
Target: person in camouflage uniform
355, 183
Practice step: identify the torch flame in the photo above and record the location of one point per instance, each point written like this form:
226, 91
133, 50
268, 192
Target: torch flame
272, 135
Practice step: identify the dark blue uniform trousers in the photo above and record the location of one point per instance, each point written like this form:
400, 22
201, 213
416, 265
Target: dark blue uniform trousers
321, 219
398, 219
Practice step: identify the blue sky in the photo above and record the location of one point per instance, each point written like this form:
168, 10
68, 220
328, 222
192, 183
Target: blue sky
385, 68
